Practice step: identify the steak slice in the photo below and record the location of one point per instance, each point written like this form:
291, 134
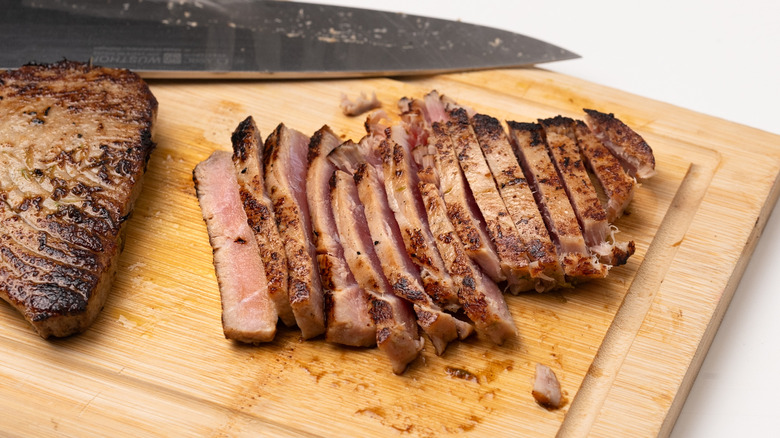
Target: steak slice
400, 271
426, 121
550, 194
618, 187
519, 200
628, 146
285, 165
247, 159
562, 144
396, 329
248, 312
347, 307
501, 229
75, 140
480, 297
461, 207
401, 186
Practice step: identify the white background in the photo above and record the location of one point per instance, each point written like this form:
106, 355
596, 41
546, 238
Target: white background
715, 57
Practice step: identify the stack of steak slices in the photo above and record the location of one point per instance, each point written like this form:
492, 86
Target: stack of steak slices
418, 226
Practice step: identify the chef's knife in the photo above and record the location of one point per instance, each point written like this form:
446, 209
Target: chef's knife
254, 39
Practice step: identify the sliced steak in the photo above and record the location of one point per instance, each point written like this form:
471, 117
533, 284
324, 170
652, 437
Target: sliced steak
461, 207
248, 312
396, 329
562, 144
480, 297
74, 143
628, 146
501, 229
347, 306
550, 194
519, 200
285, 165
618, 187
401, 273
247, 159
401, 186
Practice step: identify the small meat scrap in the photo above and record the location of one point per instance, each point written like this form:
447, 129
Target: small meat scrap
285, 165
547, 389
360, 105
616, 184
248, 313
247, 159
629, 147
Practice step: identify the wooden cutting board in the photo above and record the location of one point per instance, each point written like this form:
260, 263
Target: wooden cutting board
625, 349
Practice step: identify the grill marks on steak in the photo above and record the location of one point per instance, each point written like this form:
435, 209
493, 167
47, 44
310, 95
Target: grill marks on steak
502, 231
565, 154
247, 159
396, 329
618, 187
347, 306
248, 312
519, 200
285, 166
74, 144
461, 207
401, 186
550, 194
480, 297
400, 271
630, 148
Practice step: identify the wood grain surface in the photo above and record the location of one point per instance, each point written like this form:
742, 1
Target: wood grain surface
625, 349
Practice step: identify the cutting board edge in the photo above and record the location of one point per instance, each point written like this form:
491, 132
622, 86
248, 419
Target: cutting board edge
708, 337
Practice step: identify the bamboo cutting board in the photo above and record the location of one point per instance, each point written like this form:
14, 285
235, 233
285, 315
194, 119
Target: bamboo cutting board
625, 349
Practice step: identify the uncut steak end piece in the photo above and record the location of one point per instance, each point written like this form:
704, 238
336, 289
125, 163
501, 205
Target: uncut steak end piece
75, 140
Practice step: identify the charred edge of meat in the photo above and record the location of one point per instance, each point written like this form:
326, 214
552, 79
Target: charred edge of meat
560, 121
624, 132
487, 126
315, 143
271, 146
245, 134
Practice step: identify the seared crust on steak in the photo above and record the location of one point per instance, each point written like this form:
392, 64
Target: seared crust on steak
463, 214
397, 335
550, 194
628, 146
501, 229
401, 273
401, 185
562, 144
347, 307
285, 164
617, 185
74, 143
519, 200
480, 297
248, 161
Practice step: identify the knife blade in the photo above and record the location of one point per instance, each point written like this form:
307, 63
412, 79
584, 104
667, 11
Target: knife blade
255, 39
